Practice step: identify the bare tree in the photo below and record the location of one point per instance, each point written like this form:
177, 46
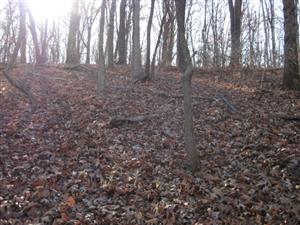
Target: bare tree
147, 66
157, 45
235, 28
180, 16
291, 78
110, 35
122, 33
72, 47
90, 14
18, 84
37, 48
189, 139
168, 33
101, 73
136, 48
23, 32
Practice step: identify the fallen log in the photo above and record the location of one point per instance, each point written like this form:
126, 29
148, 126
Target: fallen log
119, 121
78, 67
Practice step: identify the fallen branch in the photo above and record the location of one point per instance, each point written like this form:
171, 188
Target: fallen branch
289, 117
119, 121
166, 95
227, 103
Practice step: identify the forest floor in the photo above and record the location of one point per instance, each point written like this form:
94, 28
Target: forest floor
69, 162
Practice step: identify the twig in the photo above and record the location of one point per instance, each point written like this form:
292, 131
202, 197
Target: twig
229, 105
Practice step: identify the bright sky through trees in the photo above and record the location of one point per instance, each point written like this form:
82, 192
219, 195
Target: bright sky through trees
49, 8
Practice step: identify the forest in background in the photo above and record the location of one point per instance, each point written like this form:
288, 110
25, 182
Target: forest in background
207, 23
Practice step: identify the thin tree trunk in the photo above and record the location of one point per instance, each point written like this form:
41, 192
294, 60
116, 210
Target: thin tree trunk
23, 32
101, 73
110, 36
136, 48
88, 45
189, 139
147, 66
152, 73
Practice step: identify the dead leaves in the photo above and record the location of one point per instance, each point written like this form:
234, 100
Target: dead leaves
63, 164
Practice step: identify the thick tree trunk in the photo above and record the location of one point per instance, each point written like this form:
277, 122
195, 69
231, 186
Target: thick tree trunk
235, 28
291, 79
122, 34
180, 16
110, 35
136, 48
72, 47
147, 66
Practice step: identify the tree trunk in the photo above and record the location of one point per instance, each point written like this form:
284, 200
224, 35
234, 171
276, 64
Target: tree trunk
18, 84
101, 73
44, 43
122, 34
189, 139
72, 47
147, 66
180, 16
88, 45
110, 35
168, 33
205, 57
23, 33
291, 79
37, 49
235, 28
136, 48
152, 73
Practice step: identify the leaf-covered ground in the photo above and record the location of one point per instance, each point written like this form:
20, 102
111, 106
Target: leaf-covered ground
65, 164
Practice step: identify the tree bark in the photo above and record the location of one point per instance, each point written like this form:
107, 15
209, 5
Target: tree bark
101, 73
168, 33
136, 48
180, 16
189, 139
152, 72
147, 66
23, 33
110, 35
122, 34
291, 79
235, 28
72, 47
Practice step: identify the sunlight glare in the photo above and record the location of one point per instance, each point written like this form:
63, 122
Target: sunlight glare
42, 9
